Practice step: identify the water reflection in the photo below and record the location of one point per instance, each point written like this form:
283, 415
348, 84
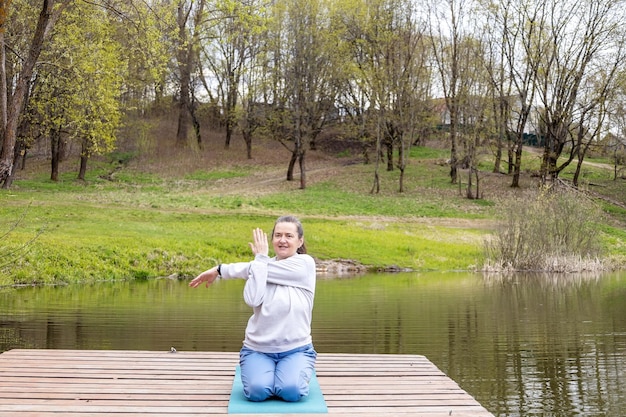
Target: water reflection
522, 345
563, 346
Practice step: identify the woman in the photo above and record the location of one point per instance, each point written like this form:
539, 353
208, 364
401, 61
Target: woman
277, 357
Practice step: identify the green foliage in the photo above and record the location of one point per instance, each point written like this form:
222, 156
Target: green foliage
79, 95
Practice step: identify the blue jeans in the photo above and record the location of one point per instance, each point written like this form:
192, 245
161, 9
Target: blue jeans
285, 375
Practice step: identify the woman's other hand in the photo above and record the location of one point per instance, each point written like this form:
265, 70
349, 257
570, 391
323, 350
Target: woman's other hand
208, 276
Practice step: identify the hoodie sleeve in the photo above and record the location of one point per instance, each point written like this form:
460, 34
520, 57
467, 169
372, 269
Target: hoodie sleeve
296, 271
255, 273
254, 290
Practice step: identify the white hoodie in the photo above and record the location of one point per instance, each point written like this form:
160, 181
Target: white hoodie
281, 294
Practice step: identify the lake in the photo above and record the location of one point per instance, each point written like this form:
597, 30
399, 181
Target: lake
522, 345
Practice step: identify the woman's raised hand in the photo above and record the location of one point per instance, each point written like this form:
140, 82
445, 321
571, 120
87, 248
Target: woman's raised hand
259, 245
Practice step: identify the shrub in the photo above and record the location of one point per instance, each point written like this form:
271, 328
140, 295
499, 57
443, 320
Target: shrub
550, 230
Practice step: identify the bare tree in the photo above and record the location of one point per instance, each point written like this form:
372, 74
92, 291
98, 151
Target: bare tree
406, 88
189, 20
583, 39
591, 118
388, 90
446, 26
303, 87
230, 51
516, 46
616, 142
458, 61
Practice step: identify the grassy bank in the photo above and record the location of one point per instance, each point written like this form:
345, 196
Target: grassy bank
176, 215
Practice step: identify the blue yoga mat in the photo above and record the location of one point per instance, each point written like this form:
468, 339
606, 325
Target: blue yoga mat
239, 404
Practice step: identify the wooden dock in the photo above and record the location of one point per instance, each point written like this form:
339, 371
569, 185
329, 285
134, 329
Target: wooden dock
90, 383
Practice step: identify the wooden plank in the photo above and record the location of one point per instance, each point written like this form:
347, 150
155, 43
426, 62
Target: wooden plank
126, 383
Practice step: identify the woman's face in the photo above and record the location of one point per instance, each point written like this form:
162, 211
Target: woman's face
285, 240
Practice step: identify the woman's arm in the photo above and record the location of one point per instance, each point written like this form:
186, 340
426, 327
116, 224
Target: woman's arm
236, 270
209, 276
295, 271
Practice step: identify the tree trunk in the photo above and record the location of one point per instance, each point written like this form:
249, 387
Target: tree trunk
478, 195
292, 164
3, 82
247, 138
389, 148
20, 153
582, 152
511, 159
183, 111
453, 155
376, 186
84, 157
501, 111
21, 150
47, 19
498, 161
229, 132
301, 161
517, 161
55, 149
83, 167
401, 164
185, 59
468, 192
231, 104
196, 127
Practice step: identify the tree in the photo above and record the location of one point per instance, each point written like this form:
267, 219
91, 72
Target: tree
353, 22
254, 78
386, 87
515, 46
615, 143
592, 118
76, 95
405, 82
476, 123
496, 22
144, 33
189, 20
238, 25
303, 88
583, 38
446, 32
99, 88
51, 11
4, 12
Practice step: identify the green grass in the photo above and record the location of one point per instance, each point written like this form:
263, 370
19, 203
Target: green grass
329, 199
82, 243
124, 223
213, 175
